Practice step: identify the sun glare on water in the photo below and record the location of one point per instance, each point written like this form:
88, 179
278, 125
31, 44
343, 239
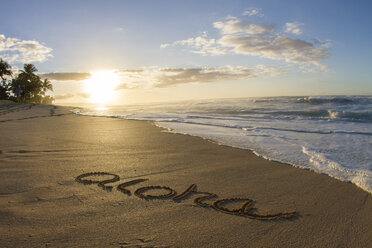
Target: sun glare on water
101, 86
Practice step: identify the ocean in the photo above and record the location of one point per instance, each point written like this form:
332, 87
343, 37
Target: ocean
330, 135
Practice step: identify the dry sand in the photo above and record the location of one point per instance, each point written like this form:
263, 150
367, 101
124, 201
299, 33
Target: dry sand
44, 148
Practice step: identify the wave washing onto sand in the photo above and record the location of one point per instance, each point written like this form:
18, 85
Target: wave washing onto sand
331, 135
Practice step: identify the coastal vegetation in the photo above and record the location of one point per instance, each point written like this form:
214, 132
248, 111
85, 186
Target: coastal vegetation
24, 86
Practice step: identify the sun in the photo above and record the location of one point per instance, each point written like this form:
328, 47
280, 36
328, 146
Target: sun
101, 86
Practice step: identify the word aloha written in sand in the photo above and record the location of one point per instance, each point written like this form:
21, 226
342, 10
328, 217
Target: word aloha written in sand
246, 209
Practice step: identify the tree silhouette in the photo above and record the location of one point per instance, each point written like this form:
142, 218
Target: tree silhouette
26, 86
47, 85
32, 88
5, 71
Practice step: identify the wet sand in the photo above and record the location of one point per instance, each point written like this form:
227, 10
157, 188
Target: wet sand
43, 149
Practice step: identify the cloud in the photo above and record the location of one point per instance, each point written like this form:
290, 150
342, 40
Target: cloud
126, 86
70, 96
167, 77
130, 70
118, 30
277, 47
322, 43
253, 12
235, 26
170, 77
247, 38
293, 28
133, 78
200, 45
66, 76
83, 95
23, 51
165, 45
157, 77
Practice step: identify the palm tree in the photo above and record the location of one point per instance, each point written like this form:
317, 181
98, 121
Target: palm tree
47, 85
29, 70
5, 70
33, 87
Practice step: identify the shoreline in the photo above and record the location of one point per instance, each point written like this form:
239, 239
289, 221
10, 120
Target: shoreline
41, 204
296, 165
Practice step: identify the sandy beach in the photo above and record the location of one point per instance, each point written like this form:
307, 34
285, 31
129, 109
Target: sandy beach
44, 202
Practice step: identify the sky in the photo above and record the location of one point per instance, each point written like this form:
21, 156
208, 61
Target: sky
128, 52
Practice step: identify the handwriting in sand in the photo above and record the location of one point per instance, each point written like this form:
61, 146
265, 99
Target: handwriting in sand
245, 210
